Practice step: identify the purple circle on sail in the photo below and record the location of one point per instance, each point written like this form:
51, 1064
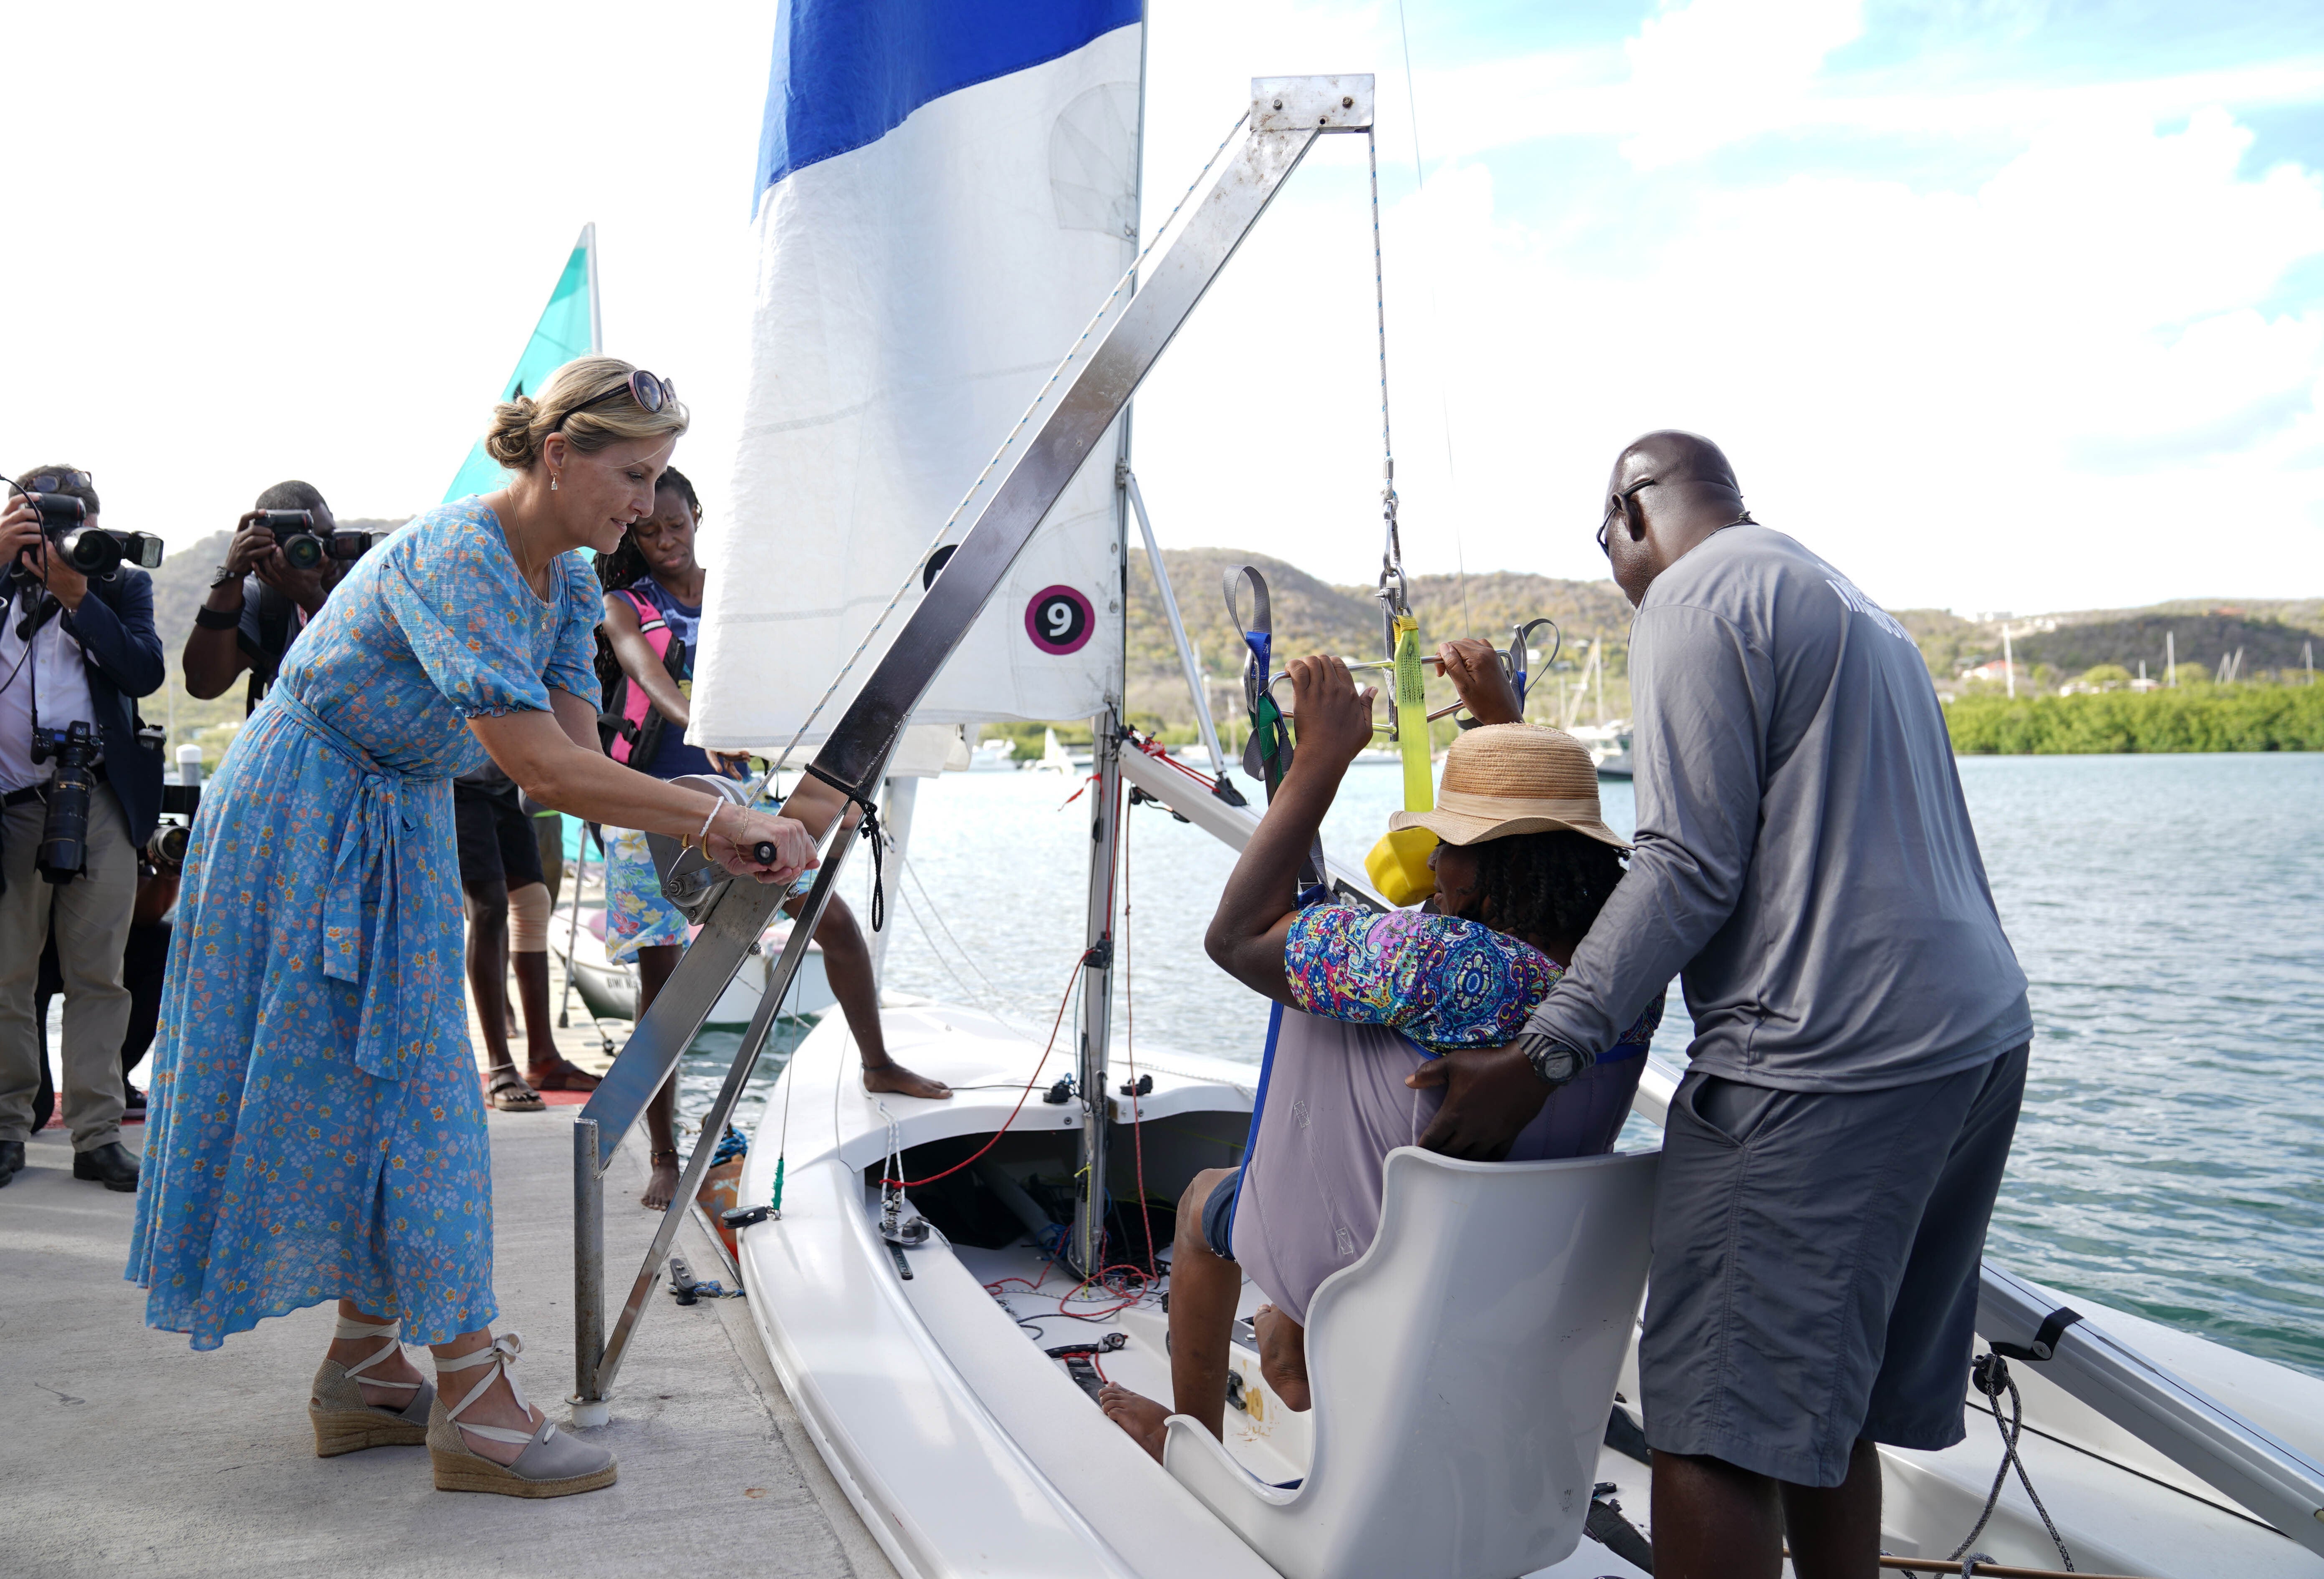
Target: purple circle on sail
1059, 620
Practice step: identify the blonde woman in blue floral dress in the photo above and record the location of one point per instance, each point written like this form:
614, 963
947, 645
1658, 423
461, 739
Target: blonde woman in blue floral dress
317, 1131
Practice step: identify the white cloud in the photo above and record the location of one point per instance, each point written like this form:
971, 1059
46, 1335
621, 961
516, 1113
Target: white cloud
2036, 389
269, 241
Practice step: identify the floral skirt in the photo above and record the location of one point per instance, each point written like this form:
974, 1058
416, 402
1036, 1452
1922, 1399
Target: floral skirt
637, 916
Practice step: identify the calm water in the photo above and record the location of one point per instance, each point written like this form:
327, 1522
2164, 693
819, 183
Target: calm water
2169, 911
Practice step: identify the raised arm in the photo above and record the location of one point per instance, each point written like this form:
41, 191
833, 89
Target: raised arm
1334, 720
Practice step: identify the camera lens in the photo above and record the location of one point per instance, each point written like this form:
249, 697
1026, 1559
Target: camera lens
91, 550
302, 550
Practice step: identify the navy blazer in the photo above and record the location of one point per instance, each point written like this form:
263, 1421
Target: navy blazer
122, 654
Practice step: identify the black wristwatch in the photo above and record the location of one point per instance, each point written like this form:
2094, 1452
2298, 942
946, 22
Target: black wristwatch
1553, 1060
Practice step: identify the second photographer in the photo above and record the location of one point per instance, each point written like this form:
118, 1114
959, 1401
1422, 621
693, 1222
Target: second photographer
82, 794
287, 553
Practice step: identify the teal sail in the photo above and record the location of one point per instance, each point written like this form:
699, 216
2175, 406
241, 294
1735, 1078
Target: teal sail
567, 329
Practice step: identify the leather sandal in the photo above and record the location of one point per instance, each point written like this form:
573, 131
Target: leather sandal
552, 1465
509, 1093
343, 1422
564, 1075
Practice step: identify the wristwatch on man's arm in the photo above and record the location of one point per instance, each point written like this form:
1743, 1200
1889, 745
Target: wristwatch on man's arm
1555, 1061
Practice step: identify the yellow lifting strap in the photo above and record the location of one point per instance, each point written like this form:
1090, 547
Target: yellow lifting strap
1398, 864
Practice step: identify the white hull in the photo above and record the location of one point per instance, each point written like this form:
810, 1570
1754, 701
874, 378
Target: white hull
609, 988
968, 1451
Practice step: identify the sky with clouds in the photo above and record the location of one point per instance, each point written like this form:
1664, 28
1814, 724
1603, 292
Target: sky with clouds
2012, 305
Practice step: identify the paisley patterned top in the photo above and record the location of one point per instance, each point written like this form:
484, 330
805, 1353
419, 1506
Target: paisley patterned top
316, 1126
1447, 983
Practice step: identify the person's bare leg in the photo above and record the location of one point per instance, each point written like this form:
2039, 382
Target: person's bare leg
1282, 1357
351, 1352
847, 961
488, 969
1713, 1520
1204, 1287
532, 972
656, 962
1835, 1530
497, 1407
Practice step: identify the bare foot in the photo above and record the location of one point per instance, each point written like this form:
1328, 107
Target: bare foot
1139, 1416
1282, 1356
893, 1076
353, 1351
660, 1185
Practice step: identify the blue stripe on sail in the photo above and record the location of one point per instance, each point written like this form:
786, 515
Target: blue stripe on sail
847, 72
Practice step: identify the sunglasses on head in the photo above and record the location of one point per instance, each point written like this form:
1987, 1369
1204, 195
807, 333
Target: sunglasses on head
57, 482
649, 392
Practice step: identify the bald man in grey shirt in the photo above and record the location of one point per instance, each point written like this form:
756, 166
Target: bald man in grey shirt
1804, 861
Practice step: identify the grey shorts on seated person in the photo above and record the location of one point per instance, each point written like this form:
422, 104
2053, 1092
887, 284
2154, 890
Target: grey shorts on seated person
1815, 1266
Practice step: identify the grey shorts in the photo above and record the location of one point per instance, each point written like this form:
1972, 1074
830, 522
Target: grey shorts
1815, 1266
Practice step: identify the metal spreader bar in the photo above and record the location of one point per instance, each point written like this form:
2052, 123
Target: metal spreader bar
1288, 114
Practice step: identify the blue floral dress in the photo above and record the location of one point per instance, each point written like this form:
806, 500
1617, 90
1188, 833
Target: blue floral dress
317, 1130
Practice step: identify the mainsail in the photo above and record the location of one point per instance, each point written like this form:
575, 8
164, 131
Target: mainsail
945, 194
567, 329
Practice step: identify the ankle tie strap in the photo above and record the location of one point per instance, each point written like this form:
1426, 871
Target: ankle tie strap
391, 1331
501, 1353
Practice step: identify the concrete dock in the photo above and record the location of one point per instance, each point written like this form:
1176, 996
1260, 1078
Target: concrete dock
125, 1452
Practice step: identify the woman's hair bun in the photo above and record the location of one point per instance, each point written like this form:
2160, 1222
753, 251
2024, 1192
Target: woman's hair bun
509, 441
586, 401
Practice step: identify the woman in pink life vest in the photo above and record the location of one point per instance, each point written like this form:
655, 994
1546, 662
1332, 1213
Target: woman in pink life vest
653, 611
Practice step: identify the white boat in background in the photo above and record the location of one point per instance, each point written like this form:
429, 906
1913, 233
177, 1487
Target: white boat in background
609, 987
940, 1285
1608, 744
1055, 758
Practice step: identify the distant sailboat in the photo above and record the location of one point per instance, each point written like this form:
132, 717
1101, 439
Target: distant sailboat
570, 326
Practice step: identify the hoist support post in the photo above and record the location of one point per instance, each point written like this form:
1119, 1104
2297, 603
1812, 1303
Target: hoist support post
1100, 374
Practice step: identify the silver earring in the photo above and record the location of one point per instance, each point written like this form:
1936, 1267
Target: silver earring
552, 482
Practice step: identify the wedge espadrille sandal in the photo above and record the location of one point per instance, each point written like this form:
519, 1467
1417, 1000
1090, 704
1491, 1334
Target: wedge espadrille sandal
343, 1422
552, 1465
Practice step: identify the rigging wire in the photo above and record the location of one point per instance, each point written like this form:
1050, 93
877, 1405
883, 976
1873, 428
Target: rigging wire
914, 571
1444, 405
1035, 1079
1130, 1050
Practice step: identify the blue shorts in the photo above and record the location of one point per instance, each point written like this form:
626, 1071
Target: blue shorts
1218, 1217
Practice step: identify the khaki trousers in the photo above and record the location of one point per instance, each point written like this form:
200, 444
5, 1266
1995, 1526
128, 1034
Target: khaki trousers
90, 915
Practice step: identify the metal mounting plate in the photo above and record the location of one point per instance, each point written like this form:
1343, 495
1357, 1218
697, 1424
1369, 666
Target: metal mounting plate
1332, 103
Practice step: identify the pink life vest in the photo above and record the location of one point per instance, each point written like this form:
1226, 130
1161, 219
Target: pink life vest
624, 720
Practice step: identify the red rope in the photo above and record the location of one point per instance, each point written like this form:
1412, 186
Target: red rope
1021, 1096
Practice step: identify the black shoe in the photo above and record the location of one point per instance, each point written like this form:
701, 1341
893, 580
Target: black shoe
112, 1164
11, 1160
132, 1100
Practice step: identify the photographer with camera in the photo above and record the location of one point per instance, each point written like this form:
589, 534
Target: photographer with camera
287, 553
77, 648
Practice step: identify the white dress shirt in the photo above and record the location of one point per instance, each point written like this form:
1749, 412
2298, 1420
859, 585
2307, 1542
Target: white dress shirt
56, 665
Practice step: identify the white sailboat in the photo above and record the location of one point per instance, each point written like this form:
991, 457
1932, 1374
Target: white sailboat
1474, 1378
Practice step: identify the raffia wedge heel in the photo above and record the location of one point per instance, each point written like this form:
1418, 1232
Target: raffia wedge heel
343, 1422
552, 1465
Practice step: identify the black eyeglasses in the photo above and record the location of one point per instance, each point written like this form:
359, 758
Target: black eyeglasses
649, 392
57, 482
1618, 502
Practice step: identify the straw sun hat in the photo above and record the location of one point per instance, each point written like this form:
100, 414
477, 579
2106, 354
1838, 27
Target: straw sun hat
1505, 779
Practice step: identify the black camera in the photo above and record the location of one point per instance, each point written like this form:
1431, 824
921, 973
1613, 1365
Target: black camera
91, 550
64, 834
305, 549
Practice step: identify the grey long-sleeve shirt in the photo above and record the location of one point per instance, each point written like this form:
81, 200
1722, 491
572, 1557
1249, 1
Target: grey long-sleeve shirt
1804, 855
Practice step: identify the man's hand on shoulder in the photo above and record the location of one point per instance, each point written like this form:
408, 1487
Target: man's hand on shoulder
1489, 1094
1483, 686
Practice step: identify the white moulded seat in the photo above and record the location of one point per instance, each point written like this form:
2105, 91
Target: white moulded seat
1462, 1372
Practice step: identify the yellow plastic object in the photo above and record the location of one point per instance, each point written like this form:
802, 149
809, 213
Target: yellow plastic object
1399, 867
1398, 864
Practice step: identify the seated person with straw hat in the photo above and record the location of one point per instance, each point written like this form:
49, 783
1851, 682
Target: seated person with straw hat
1523, 866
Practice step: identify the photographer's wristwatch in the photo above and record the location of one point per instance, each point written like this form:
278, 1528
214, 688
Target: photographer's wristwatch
225, 575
